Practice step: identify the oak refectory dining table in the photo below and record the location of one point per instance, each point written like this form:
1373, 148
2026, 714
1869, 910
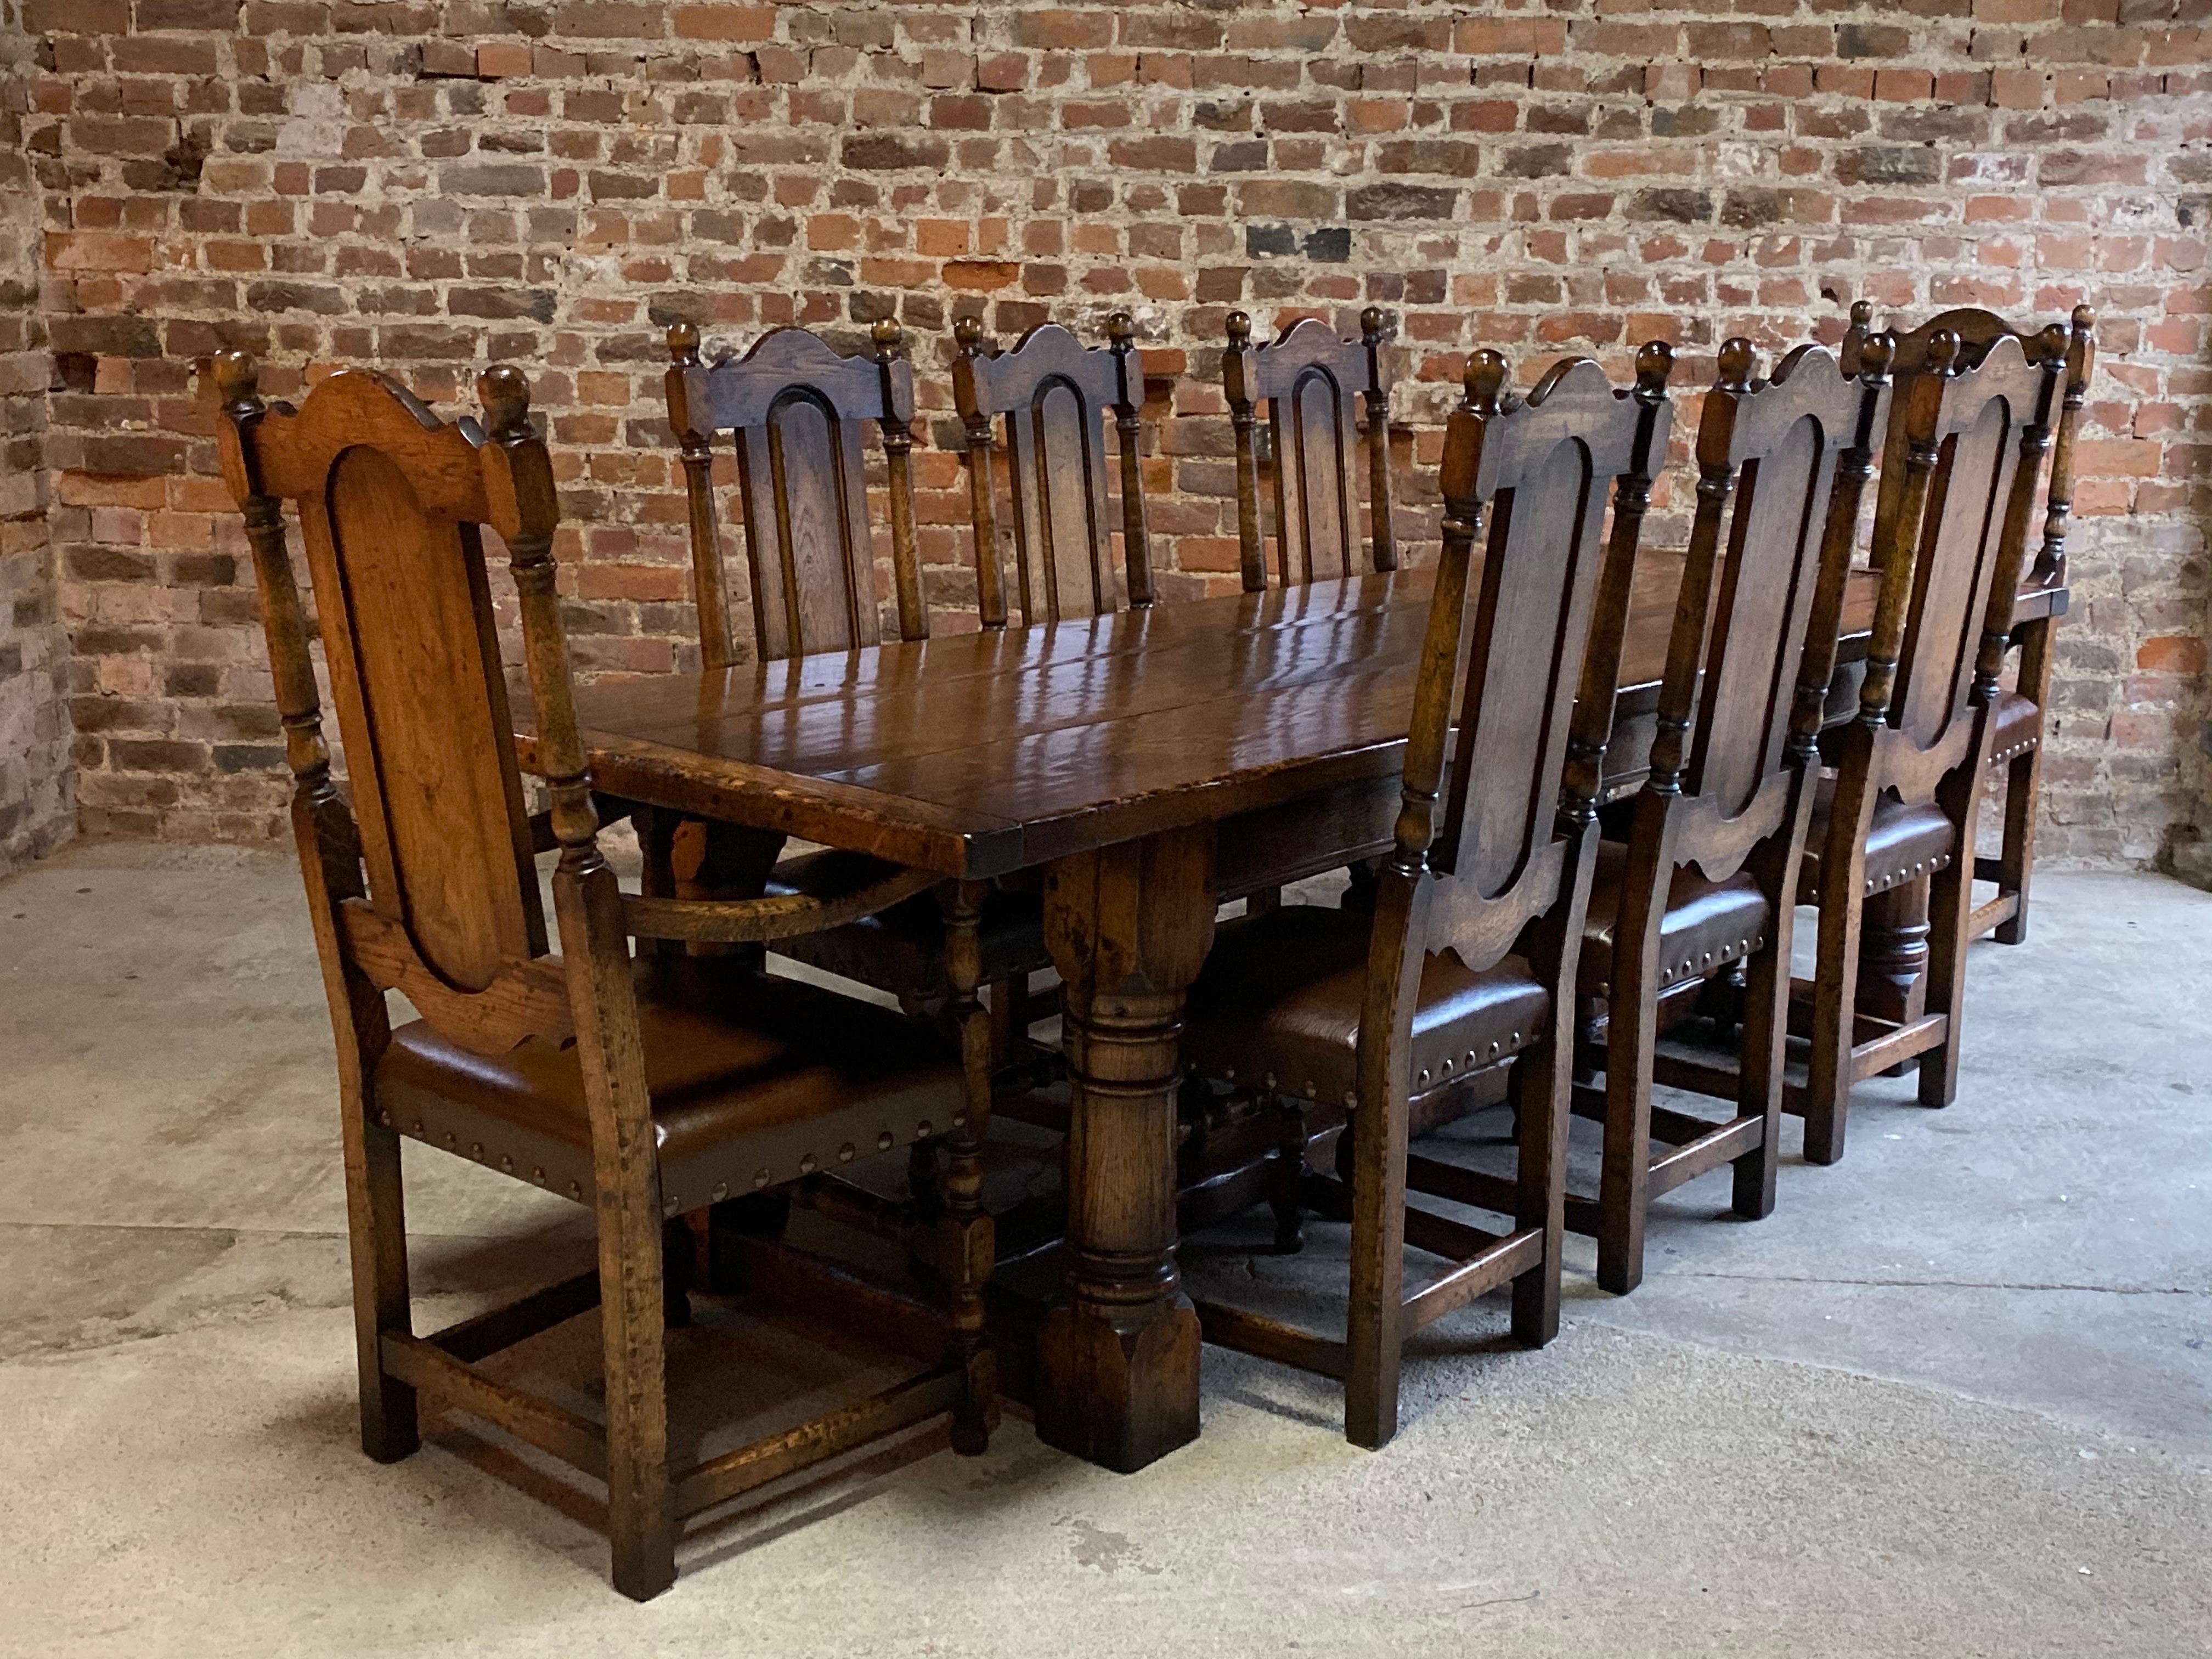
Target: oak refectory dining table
1150, 762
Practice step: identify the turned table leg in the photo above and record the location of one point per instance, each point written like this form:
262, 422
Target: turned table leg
1117, 1355
1893, 957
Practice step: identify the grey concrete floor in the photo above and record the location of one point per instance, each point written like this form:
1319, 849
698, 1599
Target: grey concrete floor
1953, 1398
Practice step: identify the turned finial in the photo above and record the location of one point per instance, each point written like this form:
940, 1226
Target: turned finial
505, 394
1655, 361
968, 335
1240, 331
1485, 381
1943, 354
1121, 329
2052, 344
237, 377
886, 334
2084, 319
684, 345
1370, 325
1876, 357
1739, 363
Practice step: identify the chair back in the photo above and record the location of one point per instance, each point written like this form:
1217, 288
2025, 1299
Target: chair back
1973, 443
1781, 466
1310, 380
1976, 331
1055, 397
797, 412
1523, 643
390, 502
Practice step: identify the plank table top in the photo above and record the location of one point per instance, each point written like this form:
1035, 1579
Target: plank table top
974, 755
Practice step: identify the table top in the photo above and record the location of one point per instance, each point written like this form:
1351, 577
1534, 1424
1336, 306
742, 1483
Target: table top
978, 754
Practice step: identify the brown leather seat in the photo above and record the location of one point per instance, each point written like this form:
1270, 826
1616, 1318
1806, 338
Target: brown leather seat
1277, 1007
2020, 725
1708, 924
753, 1080
902, 949
1903, 842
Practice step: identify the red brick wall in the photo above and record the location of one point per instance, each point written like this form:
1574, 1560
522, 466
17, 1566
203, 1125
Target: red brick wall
432, 187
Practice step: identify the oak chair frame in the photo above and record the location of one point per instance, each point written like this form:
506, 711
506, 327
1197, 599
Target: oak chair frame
368, 466
1925, 725
1509, 873
755, 398
1315, 494
2005, 915
1055, 485
1783, 464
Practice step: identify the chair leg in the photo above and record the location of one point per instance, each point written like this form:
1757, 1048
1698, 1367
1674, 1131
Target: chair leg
966, 1252
641, 1506
1286, 1171
1375, 1337
1828, 1072
377, 1230
2016, 854
1758, 1075
967, 1245
1541, 1087
1950, 916
1622, 1185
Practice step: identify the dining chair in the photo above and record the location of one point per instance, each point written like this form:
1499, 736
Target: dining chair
797, 410
2016, 757
1908, 769
1703, 883
1466, 962
1310, 382
1055, 397
641, 1086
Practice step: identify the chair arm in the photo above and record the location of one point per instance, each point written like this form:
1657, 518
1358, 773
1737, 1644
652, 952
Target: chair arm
764, 920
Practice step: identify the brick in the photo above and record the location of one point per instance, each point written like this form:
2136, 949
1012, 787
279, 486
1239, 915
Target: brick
504, 58
1065, 31
1400, 202
720, 22
187, 15
894, 152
